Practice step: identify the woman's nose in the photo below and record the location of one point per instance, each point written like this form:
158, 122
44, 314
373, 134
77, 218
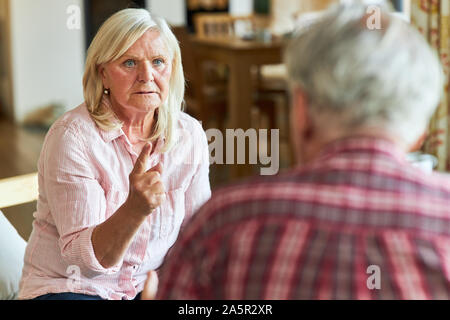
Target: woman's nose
145, 72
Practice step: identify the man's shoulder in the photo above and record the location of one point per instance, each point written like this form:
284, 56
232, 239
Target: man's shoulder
257, 188
438, 180
304, 184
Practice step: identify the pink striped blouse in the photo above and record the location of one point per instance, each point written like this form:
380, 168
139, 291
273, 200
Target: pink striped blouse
83, 180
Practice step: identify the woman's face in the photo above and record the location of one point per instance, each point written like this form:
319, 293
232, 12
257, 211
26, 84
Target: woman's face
139, 80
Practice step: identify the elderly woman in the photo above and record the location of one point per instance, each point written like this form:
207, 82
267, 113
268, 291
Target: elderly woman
119, 174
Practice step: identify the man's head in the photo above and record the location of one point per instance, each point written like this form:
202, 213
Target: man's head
360, 70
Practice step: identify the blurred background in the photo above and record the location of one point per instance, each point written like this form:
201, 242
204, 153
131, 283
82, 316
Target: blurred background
231, 52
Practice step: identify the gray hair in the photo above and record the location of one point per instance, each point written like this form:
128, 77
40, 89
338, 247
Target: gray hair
387, 77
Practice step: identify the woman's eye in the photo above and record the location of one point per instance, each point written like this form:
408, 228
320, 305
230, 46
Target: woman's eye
158, 62
129, 63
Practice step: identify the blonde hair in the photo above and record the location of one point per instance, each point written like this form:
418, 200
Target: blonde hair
117, 34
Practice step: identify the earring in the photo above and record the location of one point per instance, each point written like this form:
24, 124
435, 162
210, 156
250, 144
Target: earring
106, 91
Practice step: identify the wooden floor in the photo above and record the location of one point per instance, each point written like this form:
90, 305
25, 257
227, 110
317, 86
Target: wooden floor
19, 153
19, 149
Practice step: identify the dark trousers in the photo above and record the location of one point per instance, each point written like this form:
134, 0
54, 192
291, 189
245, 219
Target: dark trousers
73, 296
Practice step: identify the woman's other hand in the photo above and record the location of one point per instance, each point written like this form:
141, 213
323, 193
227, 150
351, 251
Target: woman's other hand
150, 287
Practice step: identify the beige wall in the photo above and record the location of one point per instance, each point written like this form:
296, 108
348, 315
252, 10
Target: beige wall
283, 12
314, 5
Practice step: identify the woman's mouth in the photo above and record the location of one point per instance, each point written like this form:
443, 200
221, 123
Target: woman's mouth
145, 92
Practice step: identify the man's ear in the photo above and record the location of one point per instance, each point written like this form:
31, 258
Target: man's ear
300, 110
300, 127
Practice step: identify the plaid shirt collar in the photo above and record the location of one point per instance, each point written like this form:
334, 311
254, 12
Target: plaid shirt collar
365, 144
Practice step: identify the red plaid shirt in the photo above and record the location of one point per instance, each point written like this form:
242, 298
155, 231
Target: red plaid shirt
358, 223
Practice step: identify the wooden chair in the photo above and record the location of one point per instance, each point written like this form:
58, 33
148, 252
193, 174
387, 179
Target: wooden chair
18, 190
226, 26
271, 79
205, 97
207, 90
223, 25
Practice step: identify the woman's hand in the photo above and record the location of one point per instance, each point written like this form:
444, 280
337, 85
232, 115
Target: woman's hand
151, 286
112, 238
146, 188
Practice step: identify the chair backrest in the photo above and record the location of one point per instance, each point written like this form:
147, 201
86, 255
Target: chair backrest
223, 25
18, 190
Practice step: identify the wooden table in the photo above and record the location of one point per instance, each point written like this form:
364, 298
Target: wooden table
239, 56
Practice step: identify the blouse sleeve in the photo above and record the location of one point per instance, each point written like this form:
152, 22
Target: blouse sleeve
199, 190
75, 198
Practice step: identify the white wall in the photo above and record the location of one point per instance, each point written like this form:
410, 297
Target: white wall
47, 57
240, 7
174, 11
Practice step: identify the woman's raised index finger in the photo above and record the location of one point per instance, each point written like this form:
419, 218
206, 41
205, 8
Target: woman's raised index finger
141, 162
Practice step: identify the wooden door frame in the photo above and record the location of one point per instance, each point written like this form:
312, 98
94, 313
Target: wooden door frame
7, 107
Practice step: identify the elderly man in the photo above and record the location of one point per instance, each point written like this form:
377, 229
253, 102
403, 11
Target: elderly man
355, 220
